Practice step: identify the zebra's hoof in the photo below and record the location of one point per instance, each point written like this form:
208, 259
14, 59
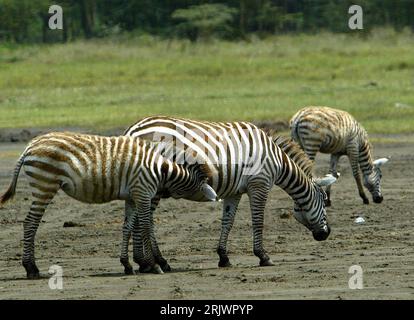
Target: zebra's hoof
157, 269
33, 275
266, 263
129, 270
224, 263
165, 267
150, 269
31, 270
145, 268
366, 201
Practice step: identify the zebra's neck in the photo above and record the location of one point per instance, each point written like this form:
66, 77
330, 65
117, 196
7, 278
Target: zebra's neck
172, 174
294, 181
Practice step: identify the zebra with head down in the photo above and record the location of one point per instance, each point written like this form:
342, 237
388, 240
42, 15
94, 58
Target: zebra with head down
242, 159
336, 132
96, 169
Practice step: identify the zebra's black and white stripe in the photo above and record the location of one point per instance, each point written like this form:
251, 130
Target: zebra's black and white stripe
336, 132
95, 169
242, 159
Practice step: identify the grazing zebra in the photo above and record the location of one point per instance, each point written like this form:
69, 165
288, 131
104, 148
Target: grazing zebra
96, 169
336, 132
242, 159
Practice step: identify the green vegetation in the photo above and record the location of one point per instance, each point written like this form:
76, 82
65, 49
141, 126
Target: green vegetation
204, 21
27, 20
112, 82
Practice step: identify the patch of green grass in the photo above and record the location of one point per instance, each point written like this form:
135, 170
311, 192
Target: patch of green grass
103, 84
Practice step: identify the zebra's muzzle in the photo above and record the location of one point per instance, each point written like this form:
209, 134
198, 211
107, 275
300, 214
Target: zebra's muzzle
321, 235
377, 198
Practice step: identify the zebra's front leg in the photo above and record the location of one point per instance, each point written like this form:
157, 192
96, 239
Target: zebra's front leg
258, 193
126, 235
141, 226
156, 250
332, 170
361, 189
353, 159
229, 211
129, 212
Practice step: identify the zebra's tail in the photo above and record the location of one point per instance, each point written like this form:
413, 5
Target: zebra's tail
10, 192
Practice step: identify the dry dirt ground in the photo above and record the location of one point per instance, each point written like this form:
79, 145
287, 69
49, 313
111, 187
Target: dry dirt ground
188, 233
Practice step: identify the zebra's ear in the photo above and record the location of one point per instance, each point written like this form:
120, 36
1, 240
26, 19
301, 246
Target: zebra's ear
208, 192
380, 162
325, 181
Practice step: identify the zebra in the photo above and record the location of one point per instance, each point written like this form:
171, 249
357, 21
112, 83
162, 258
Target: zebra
243, 159
336, 132
96, 169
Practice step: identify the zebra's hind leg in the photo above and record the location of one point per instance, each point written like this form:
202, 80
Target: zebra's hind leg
311, 148
258, 193
229, 212
43, 195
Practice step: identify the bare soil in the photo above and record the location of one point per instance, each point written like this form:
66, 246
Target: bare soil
88, 247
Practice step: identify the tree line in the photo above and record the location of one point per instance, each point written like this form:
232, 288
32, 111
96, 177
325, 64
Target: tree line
27, 20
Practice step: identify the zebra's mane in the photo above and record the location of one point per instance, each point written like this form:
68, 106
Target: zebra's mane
295, 152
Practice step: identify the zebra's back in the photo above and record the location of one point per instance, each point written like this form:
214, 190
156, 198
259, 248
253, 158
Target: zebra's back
92, 169
235, 150
324, 129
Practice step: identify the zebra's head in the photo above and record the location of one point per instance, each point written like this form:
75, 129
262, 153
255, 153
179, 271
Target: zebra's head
312, 214
373, 181
192, 183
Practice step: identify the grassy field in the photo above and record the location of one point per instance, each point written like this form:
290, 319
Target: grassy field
103, 84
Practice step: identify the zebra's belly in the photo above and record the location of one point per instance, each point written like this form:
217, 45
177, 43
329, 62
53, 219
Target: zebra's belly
90, 191
223, 190
227, 190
